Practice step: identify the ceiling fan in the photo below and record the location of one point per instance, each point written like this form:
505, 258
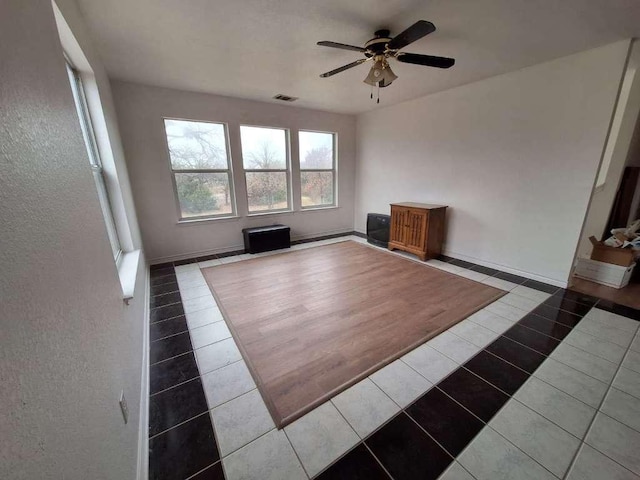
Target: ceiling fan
382, 47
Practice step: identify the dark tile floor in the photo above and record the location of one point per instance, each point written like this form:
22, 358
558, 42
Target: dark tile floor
181, 437
419, 442
423, 440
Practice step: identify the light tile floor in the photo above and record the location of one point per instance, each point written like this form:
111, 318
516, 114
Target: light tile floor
576, 417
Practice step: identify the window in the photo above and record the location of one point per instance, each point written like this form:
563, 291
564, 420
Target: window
202, 177
317, 169
94, 159
265, 157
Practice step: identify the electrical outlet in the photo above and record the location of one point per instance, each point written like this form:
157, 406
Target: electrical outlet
124, 408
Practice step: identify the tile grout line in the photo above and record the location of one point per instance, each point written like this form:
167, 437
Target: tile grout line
205, 469
361, 441
166, 319
432, 385
168, 336
530, 374
304, 469
151, 437
199, 378
377, 460
171, 358
166, 305
598, 411
201, 375
193, 350
174, 386
486, 424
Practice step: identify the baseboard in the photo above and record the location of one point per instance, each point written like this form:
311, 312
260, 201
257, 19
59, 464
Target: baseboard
504, 268
495, 266
234, 248
322, 235
143, 432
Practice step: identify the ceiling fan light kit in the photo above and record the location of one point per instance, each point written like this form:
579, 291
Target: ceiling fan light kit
382, 47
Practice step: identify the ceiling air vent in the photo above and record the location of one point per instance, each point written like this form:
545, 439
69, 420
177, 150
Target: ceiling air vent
285, 98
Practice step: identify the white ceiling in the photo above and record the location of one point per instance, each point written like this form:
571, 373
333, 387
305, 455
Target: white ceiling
257, 48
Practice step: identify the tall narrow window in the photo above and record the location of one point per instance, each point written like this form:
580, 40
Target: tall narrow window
317, 169
265, 157
201, 169
94, 159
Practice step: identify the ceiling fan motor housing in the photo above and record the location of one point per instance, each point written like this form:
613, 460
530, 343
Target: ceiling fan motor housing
378, 44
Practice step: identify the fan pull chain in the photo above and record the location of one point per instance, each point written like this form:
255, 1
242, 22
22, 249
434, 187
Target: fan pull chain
371, 92
378, 93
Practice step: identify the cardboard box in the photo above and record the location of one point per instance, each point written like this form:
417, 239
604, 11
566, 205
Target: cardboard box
624, 257
607, 274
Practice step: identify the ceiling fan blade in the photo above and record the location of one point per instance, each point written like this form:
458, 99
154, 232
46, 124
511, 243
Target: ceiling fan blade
344, 67
415, 32
343, 46
427, 60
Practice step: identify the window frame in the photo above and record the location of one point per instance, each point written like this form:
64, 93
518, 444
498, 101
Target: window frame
333, 170
286, 171
228, 171
95, 162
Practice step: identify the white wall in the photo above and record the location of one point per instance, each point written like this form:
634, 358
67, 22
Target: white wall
617, 154
79, 47
514, 157
69, 345
633, 160
141, 110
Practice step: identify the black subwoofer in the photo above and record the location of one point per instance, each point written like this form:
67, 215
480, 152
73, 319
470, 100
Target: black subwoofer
264, 239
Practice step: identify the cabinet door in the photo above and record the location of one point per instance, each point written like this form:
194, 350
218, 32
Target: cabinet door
398, 224
416, 229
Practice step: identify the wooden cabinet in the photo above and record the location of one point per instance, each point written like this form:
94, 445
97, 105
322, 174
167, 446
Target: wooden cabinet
417, 228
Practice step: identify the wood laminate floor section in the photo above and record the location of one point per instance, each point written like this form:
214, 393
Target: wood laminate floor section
629, 295
310, 323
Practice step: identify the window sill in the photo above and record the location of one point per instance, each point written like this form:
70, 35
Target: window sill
127, 271
315, 209
264, 214
195, 221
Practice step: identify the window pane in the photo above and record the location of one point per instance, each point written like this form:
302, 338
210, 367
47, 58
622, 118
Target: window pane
263, 148
317, 188
196, 145
267, 191
316, 150
94, 159
203, 194
103, 197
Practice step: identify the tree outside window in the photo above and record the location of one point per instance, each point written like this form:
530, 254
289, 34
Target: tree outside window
317, 169
266, 165
200, 167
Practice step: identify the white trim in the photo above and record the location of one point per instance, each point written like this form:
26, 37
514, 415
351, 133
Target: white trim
333, 170
269, 212
288, 170
143, 427
233, 248
228, 171
197, 220
504, 268
319, 208
128, 272
322, 234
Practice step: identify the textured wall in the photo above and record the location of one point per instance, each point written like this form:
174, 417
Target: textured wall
140, 112
514, 156
68, 344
